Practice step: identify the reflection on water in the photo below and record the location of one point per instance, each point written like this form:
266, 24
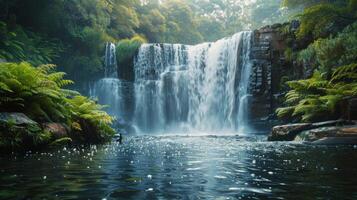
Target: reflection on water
183, 167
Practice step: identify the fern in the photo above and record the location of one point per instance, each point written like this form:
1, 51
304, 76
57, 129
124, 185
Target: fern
39, 93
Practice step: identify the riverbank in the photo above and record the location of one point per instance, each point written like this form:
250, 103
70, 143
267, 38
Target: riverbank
18, 132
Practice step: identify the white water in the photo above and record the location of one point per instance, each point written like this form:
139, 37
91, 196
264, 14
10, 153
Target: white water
203, 88
110, 61
109, 90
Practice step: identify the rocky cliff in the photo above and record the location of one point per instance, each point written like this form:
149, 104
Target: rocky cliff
271, 68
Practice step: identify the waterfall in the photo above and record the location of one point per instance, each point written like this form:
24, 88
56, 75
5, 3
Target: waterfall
110, 62
195, 88
110, 90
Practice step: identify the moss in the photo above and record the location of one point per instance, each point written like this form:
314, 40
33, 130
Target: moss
61, 142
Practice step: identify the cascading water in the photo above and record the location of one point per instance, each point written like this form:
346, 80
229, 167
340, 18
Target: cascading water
110, 63
197, 88
109, 90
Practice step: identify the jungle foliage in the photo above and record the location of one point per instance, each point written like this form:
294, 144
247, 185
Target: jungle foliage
39, 93
72, 33
321, 18
321, 97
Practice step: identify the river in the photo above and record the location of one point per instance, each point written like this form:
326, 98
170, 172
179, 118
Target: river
183, 167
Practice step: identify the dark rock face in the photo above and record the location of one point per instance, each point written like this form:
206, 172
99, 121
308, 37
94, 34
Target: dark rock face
352, 109
267, 50
272, 67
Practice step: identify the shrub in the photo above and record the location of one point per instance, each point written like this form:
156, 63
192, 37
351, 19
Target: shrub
127, 48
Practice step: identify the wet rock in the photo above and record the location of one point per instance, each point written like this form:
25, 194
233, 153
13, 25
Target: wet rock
19, 119
288, 132
58, 130
61, 142
336, 141
316, 134
18, 131
330, 135
332, 123
307, 131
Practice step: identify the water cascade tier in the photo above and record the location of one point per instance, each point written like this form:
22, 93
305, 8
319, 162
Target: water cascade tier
110, 90
182, 88
202, 88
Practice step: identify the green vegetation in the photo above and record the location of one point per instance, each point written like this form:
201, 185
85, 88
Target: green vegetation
334, 60
72, 33
39, 93
19, 45
127, 48
321, 18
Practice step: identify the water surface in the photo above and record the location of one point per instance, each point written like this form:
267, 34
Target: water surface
183, 167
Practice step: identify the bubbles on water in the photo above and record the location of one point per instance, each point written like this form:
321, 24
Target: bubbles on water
220, 177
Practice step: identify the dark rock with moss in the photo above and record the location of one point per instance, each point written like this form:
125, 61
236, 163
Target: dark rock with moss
288, 132
19, 131
314, 132
57, 130
18, 119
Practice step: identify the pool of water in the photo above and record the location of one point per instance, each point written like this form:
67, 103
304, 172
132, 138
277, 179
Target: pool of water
183, 167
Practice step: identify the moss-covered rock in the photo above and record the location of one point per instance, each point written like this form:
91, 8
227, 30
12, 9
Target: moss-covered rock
58, 130
17, 131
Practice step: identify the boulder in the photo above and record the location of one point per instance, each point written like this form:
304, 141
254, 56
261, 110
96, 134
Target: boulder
19, 119
307, 131
316, 134
17, 131
330, 135
288, 132
58, 130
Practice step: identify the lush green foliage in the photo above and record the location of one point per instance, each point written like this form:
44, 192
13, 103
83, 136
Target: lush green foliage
335, 79
72, 33
126, 49
40, 94
18, 45
327, 54
321, 18
87, 115
317, 98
